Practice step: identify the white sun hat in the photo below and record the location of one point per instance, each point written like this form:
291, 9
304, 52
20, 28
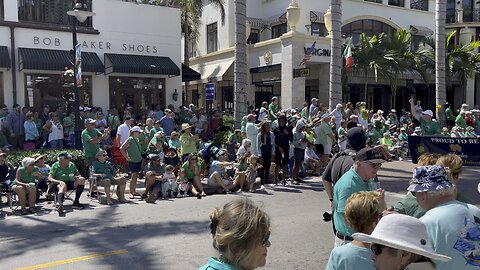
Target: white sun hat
402, 232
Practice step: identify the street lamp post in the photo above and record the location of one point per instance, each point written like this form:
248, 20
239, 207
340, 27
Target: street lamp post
80, 12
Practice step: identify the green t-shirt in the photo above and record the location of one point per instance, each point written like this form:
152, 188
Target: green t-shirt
403, 137
430, 127
142, 138
134, 150
188, 143
460, 121
189, 172
323, 138
68, 121
152, 132
155, 145
272, 109
38, 122
449, 114
103, 168
28, 178
90, 149
113, 122
63, 174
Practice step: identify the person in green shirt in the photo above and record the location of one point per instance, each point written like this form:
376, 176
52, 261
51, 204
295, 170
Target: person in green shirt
66, 176
460, 120
449, 117
193, 168
228, 120
273, 109
403, 136
156, 128
157, 144
131, 149
69, 128
103, 170
429, 127
26, 184
113, 122
188, 141
91, 138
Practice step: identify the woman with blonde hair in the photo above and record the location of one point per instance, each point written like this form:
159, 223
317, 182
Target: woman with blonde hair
241, 232
362, 212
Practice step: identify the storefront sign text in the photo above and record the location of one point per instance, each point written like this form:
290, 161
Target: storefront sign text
97, 45
319, 52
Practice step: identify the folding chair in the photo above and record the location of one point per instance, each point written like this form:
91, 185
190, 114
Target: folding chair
12, 200
93, 187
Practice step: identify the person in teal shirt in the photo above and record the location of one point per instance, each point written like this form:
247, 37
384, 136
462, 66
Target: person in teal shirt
428, 126
244, 244
359, 178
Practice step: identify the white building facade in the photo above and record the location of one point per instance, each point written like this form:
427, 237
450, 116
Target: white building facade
274, 51
129, 57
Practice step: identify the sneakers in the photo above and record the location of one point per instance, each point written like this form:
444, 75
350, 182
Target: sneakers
199, 196
60, 209
262, 188
204, 194
144, 196
151, 198
78, 205
284, 183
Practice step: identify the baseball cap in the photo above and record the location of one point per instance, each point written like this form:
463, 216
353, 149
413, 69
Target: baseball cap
64, 155
168, 111
429, 178
136, 129
428, 112
356, 138
128, 118
90, 121
370, 154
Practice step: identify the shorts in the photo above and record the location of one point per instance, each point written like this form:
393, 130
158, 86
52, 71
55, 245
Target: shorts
211, 182
327, 149
319, 149
134, 167
114, 181
70, 185
157, 185
299, 155
278, 157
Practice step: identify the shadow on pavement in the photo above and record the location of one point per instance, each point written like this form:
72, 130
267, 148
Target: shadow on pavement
101, 232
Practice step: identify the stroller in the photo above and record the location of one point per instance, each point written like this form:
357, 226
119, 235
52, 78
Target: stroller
171, 158
119, 162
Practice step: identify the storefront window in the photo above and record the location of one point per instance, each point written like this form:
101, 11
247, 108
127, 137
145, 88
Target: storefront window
398, 3
369, 27
318, 29
419, 4
55, 91
227, 96
48, 11
279, 30
139, 93
254, 36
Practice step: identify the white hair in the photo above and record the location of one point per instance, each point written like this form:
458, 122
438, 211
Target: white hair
27, 162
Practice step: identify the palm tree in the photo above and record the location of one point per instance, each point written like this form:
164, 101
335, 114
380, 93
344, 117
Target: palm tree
461, 60
440, 91
369, 59
190, 21
240, 105
335, 89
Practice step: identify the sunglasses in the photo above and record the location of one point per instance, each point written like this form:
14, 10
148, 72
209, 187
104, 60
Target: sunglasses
374, 165
266, 240
376, 249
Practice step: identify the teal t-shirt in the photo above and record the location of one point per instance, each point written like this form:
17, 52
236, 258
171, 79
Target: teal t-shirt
349, 257
454, 232
90, 149
134, 150
103, 168
460, 121
348, 184
214, 263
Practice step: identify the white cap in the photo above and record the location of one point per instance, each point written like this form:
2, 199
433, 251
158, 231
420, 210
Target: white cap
428, 112
136, 129
464, 105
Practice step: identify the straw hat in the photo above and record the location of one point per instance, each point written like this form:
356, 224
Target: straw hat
185, 126
36, 157
402, 232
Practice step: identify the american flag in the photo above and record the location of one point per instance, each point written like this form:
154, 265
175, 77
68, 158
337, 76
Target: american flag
308, 54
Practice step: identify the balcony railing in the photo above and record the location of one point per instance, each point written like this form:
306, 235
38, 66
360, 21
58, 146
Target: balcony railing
48, 12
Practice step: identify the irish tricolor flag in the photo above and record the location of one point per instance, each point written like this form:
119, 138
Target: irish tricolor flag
348, 57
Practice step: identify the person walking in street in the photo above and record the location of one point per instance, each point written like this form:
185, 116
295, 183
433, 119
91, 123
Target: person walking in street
15, 122
266, 151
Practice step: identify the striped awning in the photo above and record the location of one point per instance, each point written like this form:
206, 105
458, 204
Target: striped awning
256, 22
317, 16
140, 64
43, 59
4, 57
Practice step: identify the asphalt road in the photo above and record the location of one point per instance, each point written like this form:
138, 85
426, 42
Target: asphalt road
175, 234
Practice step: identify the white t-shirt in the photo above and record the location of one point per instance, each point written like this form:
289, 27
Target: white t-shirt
124, 132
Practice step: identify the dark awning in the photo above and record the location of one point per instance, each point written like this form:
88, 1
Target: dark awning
189, 74
140, 64
4, 57
43, 59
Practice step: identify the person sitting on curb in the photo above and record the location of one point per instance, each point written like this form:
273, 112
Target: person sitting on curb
103, 170
218, 175
398, 241
26, 184
154, 171
65, 176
